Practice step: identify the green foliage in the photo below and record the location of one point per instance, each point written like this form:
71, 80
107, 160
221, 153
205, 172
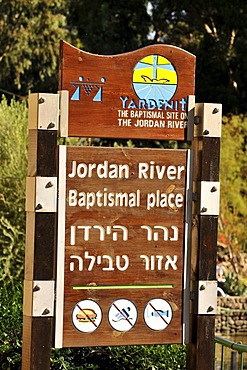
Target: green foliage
233, 176
109, 27
234, 286
167, 357
13, 169
29, 49
10, 326
215, 31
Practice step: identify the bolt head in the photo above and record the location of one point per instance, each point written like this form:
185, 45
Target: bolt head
210, 308
46, 311
216, 110
41, 100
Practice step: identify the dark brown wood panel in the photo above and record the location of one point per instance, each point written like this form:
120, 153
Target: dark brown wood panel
44, 252
207, 248
37, 342
38, 332
200, 350
47, 153
210, 159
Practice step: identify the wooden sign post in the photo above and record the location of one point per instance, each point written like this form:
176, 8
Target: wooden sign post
41, 226
123, 234
206, 147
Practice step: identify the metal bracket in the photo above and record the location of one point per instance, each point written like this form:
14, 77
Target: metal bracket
209, 198
41, 194
43, 111
64, 113
208, 119
206, 303
39, 298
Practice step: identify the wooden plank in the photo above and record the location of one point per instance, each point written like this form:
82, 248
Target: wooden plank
29, 249
200, 351
44, 253
41, 232
106, 96
207, 248
210, 159
36, 343
139, 333
130, 249
47, 153
201, 354
42, 146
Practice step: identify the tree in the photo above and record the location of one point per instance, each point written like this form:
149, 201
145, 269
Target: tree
29, 49
216, 33
233, 176
109, 26
13, 172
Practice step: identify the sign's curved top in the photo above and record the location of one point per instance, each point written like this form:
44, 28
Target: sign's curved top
139, 94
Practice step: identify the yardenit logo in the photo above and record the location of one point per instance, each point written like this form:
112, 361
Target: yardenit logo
154, 77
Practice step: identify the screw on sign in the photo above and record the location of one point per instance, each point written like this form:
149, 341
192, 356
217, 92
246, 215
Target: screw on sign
158, 314
122, 315
86, 316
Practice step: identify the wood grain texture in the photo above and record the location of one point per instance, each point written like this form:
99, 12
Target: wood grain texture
134, 246
200, 351
200, 355
41, 240
36, 343
42, 153
90, 118
44, 252
139, 334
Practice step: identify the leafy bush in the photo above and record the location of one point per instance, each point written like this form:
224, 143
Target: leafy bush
10, 326
167, 357
13, 169
234, 285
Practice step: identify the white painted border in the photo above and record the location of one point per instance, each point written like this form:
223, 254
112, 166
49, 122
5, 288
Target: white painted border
187, 247
60, 247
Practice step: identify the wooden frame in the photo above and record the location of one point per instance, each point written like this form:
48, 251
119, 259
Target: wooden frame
44, 124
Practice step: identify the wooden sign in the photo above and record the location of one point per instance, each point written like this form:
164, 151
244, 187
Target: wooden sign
140, 94
121, 236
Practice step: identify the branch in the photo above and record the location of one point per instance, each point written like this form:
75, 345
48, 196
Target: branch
213, 30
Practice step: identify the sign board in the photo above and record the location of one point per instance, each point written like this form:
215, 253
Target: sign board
140, 94
121, 246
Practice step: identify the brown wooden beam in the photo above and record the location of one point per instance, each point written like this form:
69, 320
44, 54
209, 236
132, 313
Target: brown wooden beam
38, 321
200, 351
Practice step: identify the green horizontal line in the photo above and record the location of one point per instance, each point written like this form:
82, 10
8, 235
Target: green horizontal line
102, 287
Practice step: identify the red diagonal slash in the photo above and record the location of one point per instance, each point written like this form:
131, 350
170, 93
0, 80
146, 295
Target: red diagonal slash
87, 316
122, 314
162, 317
